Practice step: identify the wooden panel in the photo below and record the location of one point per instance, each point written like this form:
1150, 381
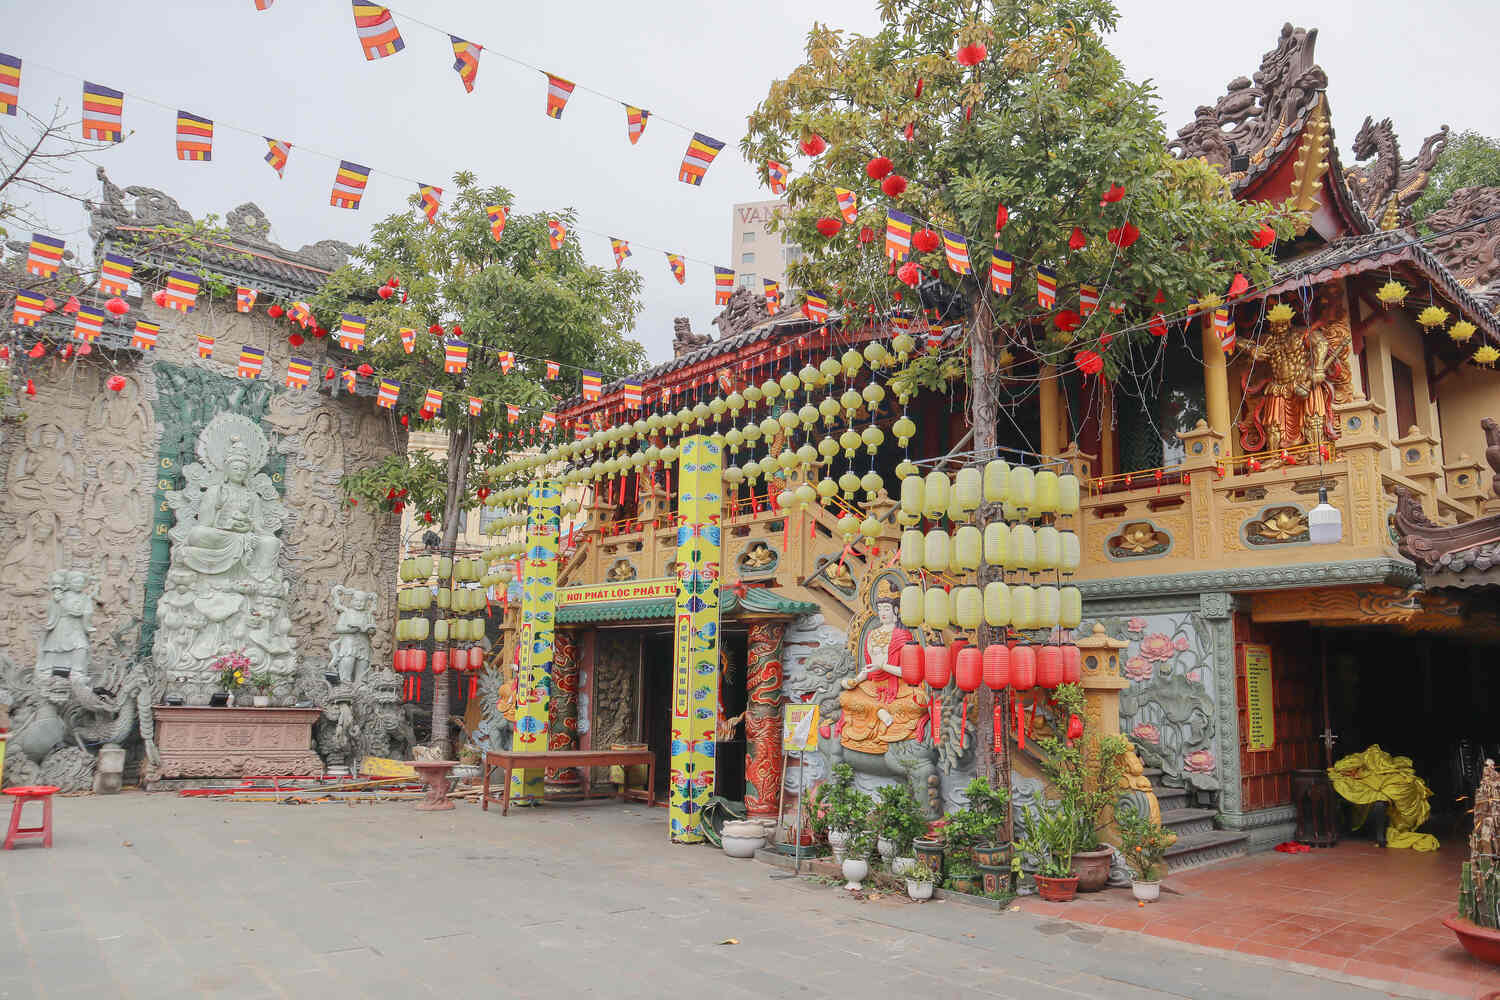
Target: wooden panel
1267, 775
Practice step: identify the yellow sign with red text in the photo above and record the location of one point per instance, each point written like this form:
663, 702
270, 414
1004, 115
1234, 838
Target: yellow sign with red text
600, 593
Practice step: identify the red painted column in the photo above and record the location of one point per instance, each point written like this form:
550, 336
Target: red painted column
763, 721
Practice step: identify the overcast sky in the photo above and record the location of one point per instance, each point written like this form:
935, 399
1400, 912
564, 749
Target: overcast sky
296, 72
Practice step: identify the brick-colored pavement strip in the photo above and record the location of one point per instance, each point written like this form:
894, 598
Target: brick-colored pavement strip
161, 897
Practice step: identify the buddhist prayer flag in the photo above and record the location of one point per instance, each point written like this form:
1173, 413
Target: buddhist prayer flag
434, 401
301, 313
263, 4
408, 339
678, 266
181, 291
10, 84
635, 123
507, 361
558, 92
475, 406
432, 198
114, 274
496, 214
388, 394
349, 185
557, 231
621, 250
298, 373
103, 110
773, 294
549, 421
377, 32
205, 345
251, 359
956, 249
632, 390
455, 356
277, 153
244, 299
848, 207
723, 285
592, 382
352, 332
1002, 270
46, 255
466, 60
700, 153
1224, 329
88, 324
901, 320
552, 368
512, 413
815, 307
1088, 300
898, 226
1046, 287
1117, 308
776, 174
29, 308
195, 137
350, 378
144, 337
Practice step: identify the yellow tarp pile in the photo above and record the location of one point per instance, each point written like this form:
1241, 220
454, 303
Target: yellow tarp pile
1375, 776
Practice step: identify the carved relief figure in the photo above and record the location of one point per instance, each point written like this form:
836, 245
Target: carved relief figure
36, 550
1310, 369
349, 652
879, 708
114, 504
64, 649
45, 471
1472, 252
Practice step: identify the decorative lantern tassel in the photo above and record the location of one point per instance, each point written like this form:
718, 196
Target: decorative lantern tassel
997, 720
963, 724
473, 687
1019, 711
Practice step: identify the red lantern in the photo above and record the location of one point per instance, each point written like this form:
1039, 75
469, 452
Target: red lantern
439, 662
1072, 664
866, 234
1264, 237
1124, 236
72, 305
117, 306
275, 312
814, 145
115, 382
972, 55
1023, 668
969, 669
365, 370
829, 227
1067, 320
996, 671
476, 657
37, 350
1077, 241
160, 297
925, 240
911, 664
937, 667
1088, 362
909, 273
435, 329
385, 291
320, 332
1075, 728
296, 340
893, 186
878, 168
1049, 667
1111, 194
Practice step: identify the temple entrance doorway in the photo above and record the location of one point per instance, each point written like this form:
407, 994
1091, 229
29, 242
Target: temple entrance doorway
656, 710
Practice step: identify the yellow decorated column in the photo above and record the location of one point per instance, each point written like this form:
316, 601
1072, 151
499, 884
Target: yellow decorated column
695, 661
1049, 411
1215, 377
538, 621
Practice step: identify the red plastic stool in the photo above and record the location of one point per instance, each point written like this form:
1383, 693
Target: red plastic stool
23, 795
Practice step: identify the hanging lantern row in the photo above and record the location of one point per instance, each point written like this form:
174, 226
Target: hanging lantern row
1021, 606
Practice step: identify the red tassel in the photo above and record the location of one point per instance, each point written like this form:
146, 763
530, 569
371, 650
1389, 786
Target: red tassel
963, 723
786, 530
1019, 711
997, 721
473, 688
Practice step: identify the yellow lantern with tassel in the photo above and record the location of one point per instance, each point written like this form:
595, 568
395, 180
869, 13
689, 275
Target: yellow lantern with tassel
967, 548
911, 495
848, 528
1048, 547
1023, 606
968, 489
1022, 547
912, 548
996, 480
1067, 494
911, 606
997, 543
1020, 488
1070, 553
968, 607
936, 551
935, 494
1046, 492
1048, 606
1070, 608
936, 608
997, 604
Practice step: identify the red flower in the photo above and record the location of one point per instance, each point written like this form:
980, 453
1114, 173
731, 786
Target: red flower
1088, 362
971, 55
909, 273
395, 283
1111, 194
1123, 236
1158, 326
829, 227
1077, 241
1067, 320
365, 370
813, 145
925, 240
1264, 237
385, 291
435, 329
320, 331
893, 186
878, 167
296, 340
117, 306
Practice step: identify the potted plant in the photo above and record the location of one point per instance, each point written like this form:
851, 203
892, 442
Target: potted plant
1086, 774
233, 670
1144, 844
919, 880
261, 684
1050, 844
929, 849
1477, 924
897, 823
963, 876
856, 866
840, 810
983, 823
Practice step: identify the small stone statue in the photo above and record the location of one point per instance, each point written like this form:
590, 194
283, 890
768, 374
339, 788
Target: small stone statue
349, 651
64, 650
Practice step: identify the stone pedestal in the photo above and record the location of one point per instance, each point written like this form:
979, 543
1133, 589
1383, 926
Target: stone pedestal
234, 742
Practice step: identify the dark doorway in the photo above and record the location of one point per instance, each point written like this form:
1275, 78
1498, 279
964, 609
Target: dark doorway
729, 755
656, 705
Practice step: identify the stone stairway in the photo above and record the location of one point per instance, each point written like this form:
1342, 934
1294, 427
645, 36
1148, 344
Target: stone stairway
1198, 841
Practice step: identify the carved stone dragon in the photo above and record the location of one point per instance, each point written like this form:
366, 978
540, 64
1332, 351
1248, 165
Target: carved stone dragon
1387, 188
1472, 254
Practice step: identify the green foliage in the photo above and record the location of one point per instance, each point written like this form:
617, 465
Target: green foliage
838, 805
897, 818
414, 480
922, 872
1085, 773
1144, 844
1469, 160
1044, 126
979, 822
960, 870
1051, 840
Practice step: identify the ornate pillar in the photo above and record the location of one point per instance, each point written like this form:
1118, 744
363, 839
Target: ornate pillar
538, 615
763, 675
1215, 377
562, 714
1106, 429
1050, 411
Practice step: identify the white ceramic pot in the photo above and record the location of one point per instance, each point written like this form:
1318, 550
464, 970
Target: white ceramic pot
838, 840
900, 866
855, 870
1146, 892
887, 848
918, 890
743, 838
262, 701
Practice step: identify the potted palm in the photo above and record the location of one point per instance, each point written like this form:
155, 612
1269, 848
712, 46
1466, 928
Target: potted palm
897, 824
919, 880
261, 683
1086, 774
1144, 844
1050, 844
840, 810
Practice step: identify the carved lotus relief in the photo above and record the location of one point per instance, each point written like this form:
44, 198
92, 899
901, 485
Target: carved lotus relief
1277, 526
1137, 539
758, 559
620, 571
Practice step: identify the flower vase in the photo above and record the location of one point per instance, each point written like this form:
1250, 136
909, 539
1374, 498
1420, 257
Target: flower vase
855, 870
838, 840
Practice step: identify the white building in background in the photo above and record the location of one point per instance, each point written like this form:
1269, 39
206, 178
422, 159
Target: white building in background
757, 252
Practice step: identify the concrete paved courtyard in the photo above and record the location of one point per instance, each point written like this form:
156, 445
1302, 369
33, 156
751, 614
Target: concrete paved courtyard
162, 897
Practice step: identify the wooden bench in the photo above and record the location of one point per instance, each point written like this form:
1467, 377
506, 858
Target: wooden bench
508, 760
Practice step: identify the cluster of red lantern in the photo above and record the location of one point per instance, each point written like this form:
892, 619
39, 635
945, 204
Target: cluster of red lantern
388, 289
999, 666
412, 662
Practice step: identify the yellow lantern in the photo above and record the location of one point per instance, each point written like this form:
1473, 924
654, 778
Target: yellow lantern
996, 543
912, 547
873, 394
807, 456
967, 548
904, 430
830, 409
1021, 488
906, 468
851, 362
851, 401
936, 551
996, 604
753, 396
752, 432
828, 447
872, 436
911, 495
907, 520
911, 606
996, 479
955, 512
789, 383
769, 428
829, 368
968, 607
967, 487
850, 442
808, 415
849, 482
1046, 492
735, 402
788, 420
806, 496
1070, 554
1023, 546
752, 472
904, 344
1048, 547
1023, 606
935, 494
734, 475
936, 607
785, 499
809, 377
870, 527
1070, 607
1067, 494
827, 488
871, 483
848, 527
875, 354
770, 390
1048, 607
734, 437
716, 406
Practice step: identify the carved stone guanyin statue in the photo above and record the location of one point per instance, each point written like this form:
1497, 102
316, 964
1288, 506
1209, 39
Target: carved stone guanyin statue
225, 591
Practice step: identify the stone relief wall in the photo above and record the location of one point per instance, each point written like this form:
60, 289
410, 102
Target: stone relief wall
616, 693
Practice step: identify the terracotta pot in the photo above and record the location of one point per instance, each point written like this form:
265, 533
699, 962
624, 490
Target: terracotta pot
1481, 942
1092, 868
1056, 890
930, 851
992, 855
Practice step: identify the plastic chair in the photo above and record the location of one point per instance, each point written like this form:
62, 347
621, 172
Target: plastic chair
24, 794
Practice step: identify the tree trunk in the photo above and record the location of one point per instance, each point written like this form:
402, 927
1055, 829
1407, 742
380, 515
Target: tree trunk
992, 760
459, 440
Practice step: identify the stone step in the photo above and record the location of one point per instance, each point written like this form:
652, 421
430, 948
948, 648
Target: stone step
1206, 847
1183, 821
1170, 798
